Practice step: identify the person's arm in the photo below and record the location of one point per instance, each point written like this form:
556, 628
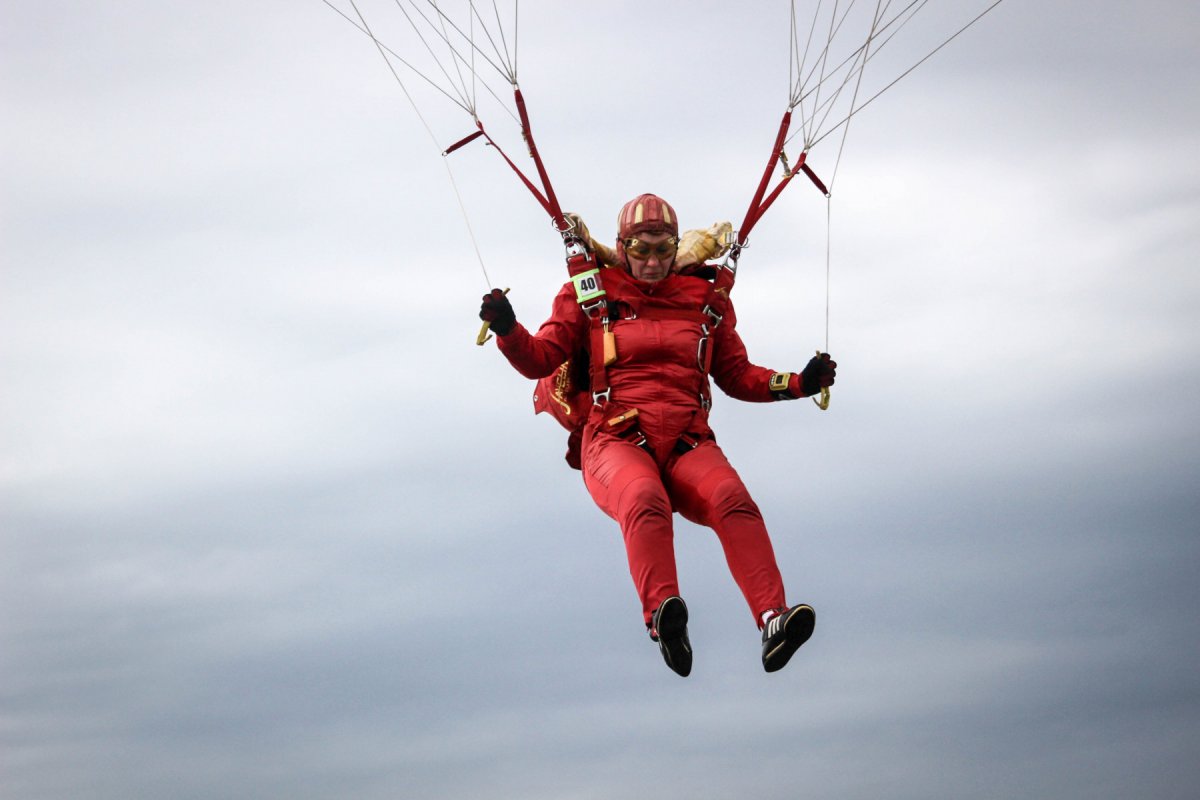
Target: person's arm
537, 355
734, 373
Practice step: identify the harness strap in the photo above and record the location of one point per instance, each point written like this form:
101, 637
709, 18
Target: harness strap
667, 313
755, 210
598, 306
598, 343
552, 206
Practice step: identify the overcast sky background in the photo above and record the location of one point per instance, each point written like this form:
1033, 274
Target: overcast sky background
272, 525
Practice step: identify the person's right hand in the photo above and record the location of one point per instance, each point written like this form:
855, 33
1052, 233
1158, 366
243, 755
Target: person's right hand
499, 312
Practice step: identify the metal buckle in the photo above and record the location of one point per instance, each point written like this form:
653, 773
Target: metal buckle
589, 308
705, 402
639, 440
575, 247
730, 261
713, 315
602, 397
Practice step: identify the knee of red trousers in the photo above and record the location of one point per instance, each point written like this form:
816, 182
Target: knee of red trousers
644, 513
641, 500
730, 498
610, 466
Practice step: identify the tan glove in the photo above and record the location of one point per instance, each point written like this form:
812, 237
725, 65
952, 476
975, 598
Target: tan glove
604, 254
696, 247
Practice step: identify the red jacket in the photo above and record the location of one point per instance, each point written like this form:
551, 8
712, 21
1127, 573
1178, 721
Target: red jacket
659, 368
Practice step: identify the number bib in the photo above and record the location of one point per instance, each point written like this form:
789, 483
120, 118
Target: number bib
587, 285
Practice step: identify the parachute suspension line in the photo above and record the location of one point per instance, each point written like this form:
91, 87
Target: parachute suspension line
393, 54
504, 72
516, 33
466, 93
852, 66
396, 56
792, 51
469, 101
835, 25
904, 74
453, 183
866, 50
828, 260
450, 81
855, 60
797, 61
474, 74
822, 401
509, 71
796, 65
474, 16
853, 56
858, 69
510, 60
823, 61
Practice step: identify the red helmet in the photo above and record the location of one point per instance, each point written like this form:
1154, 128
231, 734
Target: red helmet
644, 214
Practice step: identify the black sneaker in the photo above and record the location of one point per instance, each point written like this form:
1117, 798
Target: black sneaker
784, 633
668, 627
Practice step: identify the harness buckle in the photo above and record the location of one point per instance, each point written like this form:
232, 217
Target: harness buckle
730, 262
686, 443
602, 397
590, 308
713, 315
575, 247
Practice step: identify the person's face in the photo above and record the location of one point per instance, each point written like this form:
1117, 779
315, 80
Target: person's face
651, 255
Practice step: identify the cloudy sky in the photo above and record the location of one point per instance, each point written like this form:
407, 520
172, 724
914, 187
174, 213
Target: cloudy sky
272, 526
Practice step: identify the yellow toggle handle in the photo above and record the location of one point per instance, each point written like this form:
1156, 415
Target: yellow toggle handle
484, 336
823, 403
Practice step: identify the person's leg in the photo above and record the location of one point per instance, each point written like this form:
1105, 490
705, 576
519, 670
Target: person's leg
625, 483
708, 491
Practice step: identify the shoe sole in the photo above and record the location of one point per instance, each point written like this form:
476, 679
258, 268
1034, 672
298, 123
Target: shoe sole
672, 636
796, 631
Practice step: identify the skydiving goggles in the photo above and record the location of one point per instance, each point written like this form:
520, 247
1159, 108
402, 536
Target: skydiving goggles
640, 250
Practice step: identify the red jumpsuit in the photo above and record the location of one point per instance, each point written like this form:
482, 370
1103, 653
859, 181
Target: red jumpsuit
679, 466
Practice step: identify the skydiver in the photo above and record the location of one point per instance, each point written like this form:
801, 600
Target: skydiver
646, 449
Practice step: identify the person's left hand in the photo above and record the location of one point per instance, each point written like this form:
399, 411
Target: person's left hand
818, 374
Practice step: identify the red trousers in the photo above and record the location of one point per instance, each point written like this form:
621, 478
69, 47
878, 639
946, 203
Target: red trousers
640, 494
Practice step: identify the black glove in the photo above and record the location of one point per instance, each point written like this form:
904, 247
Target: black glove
818, 375
499, 312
